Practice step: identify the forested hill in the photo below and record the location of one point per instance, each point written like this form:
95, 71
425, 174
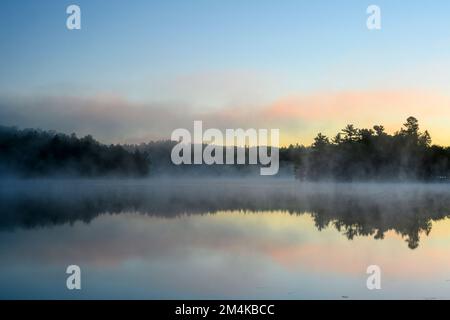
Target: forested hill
372, 154
31, 153
352, 155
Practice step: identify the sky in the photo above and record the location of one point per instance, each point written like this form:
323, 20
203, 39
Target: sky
137, 70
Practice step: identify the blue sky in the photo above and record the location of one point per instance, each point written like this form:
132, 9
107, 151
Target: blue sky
210, 54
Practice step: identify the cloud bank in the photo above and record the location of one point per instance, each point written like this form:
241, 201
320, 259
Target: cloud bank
114, 119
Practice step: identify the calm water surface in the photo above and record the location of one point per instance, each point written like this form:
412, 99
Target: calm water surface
213, 239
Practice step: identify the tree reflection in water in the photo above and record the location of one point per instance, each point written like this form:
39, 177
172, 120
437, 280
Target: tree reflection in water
353, 209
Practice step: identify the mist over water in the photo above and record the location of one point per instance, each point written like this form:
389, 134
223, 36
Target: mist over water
172, 238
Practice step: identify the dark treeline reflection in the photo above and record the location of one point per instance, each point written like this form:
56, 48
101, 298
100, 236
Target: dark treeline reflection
353, 209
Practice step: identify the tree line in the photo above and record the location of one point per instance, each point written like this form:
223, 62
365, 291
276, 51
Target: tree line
371, 154
353, 154
33, 152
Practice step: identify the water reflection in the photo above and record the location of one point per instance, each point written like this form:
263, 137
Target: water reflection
352, 209
222, 239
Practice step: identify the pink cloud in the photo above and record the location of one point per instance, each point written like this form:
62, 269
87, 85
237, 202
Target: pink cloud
112, 118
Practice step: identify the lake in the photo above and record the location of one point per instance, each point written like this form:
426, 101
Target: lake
256, 238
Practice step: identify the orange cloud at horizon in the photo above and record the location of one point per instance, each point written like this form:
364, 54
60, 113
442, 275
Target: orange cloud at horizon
329, 112
115, 119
